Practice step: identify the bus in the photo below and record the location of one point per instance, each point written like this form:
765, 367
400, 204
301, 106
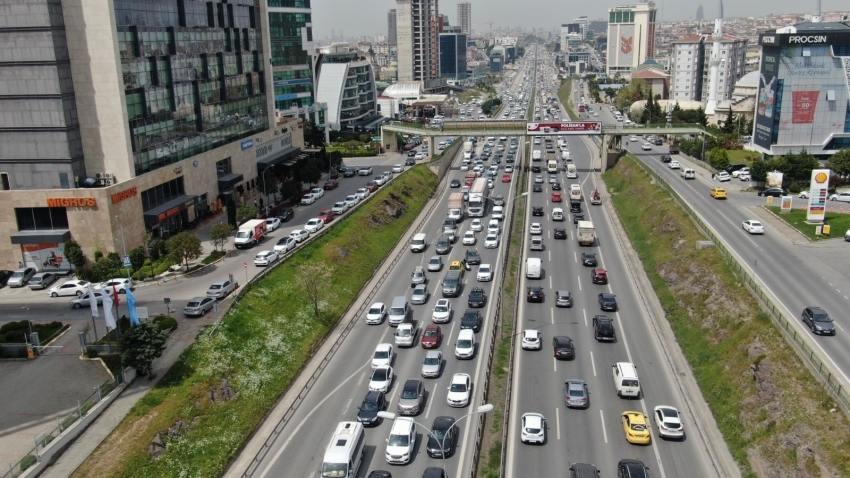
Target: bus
345, 451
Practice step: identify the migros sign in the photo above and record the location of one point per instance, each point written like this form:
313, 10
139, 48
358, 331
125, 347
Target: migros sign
71, 202
122, 195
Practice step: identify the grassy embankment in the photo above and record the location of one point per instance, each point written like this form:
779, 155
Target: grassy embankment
775, 417
262, 343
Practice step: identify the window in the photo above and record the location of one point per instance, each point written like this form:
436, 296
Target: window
37, 218
223, 167
4, 182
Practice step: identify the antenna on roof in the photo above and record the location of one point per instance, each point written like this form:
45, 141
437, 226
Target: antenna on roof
816, 18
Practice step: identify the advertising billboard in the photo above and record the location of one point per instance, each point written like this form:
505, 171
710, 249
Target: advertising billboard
817, 195
763, 125
774, 179
46, 257
564, 127
627, 45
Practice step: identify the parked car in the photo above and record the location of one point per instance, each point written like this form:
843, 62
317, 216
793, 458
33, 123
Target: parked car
4, 277
42, 280
20, 277
265, 258
221, 289
198, 306
272, 223
69, 287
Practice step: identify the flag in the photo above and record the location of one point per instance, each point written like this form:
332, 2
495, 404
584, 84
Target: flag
107, 310
115, 296
93, 302
131, 307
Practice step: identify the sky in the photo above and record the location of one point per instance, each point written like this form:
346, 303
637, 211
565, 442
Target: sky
369, 17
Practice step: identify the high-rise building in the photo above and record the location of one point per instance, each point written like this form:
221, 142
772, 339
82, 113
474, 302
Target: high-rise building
392, 39
346, 84
417, 25
631, 37
121, 119
582, 23
689, 67
464, 17
453, 54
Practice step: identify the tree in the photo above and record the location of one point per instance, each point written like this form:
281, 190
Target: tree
728, 124
220, 235
268, 184
137, 258
105, 267
314, 279
718, 158
838, 162
184, 247
141, 345
290, 190
74, 253
759, 170
245, 213
310, 173
313, 135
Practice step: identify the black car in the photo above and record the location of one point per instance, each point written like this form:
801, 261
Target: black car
498, 200
477, 298
556, 186
472, 257
411, 153
563, 347
537, 210
443, 438
577, 218
657, 141
575, 207
443, 245
471, 320
775, 192
373, 403
588, 259
603, 328
510, 159
632, 469
734, 167
455, 183
538, 188
349, 173
560, 233
285, 214
535, 169
410, 162
535, 294
665, 158
434, 471
608, 302
380, 474
818, 320
4, 277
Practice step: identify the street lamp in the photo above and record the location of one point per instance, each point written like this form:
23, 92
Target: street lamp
123, 244
487, 407
265, 190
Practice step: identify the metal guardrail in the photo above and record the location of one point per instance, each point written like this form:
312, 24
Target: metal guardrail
816, 363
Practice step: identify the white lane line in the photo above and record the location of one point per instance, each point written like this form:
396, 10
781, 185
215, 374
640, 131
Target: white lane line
593, 364
550, 256
553, 315
578, 278
604, 433
431, 399
575, 256
584, 313
345, 408
558, 421
550, 281
554, 364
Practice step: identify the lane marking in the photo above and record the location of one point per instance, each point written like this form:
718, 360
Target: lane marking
604, 433
431, 400
584, 313
558, 421
592, 363
578, 279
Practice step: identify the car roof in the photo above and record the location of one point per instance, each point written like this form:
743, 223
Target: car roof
532, 419
383, 347
433, 354
460, 377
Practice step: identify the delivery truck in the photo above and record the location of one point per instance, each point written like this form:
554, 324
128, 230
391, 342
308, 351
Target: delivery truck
586, 234
455, 206
250, 233
467, 149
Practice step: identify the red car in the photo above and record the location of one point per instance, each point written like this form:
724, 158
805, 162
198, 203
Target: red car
332, 184
506, 178
599, 276
327, 216
372, 186
431, 337
556, 197
468, 181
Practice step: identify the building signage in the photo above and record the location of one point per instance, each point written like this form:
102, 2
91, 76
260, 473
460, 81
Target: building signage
247, 144
564, 127
820, 38
71, 202
818, 192
805, 103
807, 39
46, 257
626, 44
168, 213
122, 195
766, 99
271, 148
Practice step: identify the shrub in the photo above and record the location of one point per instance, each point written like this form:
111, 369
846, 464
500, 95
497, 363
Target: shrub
164, 322
27, 462
794, 188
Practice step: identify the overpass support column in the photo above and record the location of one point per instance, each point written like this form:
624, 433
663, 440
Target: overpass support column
431, 147
389, 139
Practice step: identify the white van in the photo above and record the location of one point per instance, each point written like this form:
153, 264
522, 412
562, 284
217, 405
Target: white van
572, 172
419, 242
552, 167
345, 451
399, 311
626, 380
465, 345
688, 173
557, 214
401, 441
532, 268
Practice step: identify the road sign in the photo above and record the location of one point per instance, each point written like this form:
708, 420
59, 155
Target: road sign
142, 312
127, 262
564, 127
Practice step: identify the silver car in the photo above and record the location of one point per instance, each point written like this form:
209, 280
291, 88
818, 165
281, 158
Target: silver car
84, 300
411, 398
20, 277
433, 364
198, 306
420, 294
220, 289
435, 264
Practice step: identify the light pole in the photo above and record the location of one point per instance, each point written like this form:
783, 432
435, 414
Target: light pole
487, 407
265, 190
123, 244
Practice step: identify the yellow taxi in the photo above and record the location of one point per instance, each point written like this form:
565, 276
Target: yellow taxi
456, 266
718, 193
636, 428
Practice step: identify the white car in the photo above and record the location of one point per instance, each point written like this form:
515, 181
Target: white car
313, 225
741, 171
723, 176
485, 273
299, 235
379, 180
674, 165
383, 356
668, 421
361, 193
285, 244
265, 258
633, 138
493, 226
317, 192
469, 238
805, 194
71, 287
397, 168
405, 334
646, 147
490, 184
339, 207
535, 229
498, 213
491, 241
382, 379
476, 225
308, 199
272, 223
120, 285
538, 179
533, 428
842, 196
376, 314
420, 156
753, 227
351, 200
509, 168
442, 312
464, 167
459, 390
531, 339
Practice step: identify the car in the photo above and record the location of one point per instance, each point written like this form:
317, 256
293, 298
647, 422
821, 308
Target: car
69, 287
471, 320
198, 306
553, 179
723, 176
376, 313
805, 194
575, 208
412, 397
646, 146
442, 312
537, 211
284, 245
717, 193
533, 428
563, 298
556, 186
674, 165
537, 188
397, 168
485, 273
535, 294
498, 200
666, 159
380, 180
419, 295
535, 229
531, 339
636, 428
431, 337
460, 390
265, 258
498, 213
491, 241
608, 302
576, 394
365, 171
472, 257
314, 225
449, 225
435, 264
383, 356
418, 276
272, 223
221, 289
742, 171
775, 192
351, 200
410, 162
603, 328
455, 183
560, 233
405, 334
538, 179
493, 226
4, 277
433, 364
442, 442
509, 168
633, 138
374, 402
84, 301
588, 259
469, 238
349, 173
599, 276
753, 227
477, 298
443, 245
330, 184
118, 284
372, 186
506, 178
818, 320
381, 379
308, 199
299, 235
536, 243
669, 422
362, 193
340, 207
490, 184
632, 469
842, 196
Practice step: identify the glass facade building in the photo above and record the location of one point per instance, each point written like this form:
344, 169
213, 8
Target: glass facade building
453, 55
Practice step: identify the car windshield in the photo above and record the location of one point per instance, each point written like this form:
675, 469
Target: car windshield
409, 393
439, 434
194, 303
399, 440
430, 333
638, 427
382, 354
369, 406
380, 374
630, 383
441, 308
432, 361
18, 274
403, 333
215, 287
458, 387
375, 310
334, 470
822, 317
464, 344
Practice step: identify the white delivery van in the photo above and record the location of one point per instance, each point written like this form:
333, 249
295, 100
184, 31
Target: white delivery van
688, 173
419, 242
572, 172
465, 345
532, 268
345, 451
552, 167
557, 214
626, 380
536, 155
566, 156
401, 442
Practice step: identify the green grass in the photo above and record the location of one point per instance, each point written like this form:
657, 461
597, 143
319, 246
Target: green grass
214, 256
838, 222
717, 322
261, 344
741, 156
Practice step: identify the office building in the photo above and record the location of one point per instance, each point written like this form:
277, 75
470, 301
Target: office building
689, 67
631, 37
417, 26
392, 35
453, 54
346, 84
292, 58
803, 100
124, 119
464, 17
582, 24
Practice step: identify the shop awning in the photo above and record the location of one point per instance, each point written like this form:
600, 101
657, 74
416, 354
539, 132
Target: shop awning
288, 153
228, 181
41, 236
164, 211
